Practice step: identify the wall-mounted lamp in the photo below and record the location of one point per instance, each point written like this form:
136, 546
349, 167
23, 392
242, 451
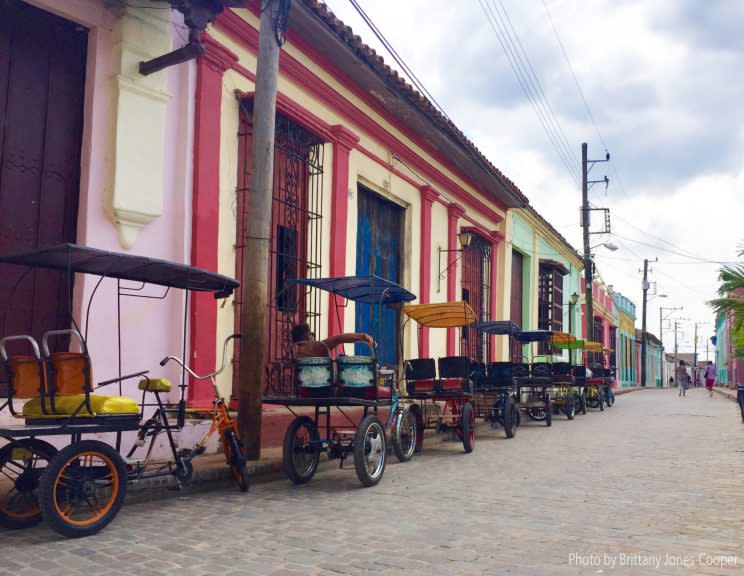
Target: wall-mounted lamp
464, 238
574, 298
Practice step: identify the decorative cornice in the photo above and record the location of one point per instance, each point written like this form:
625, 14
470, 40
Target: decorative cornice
455, 211
216, 56
428, 194
344, 137
497, 237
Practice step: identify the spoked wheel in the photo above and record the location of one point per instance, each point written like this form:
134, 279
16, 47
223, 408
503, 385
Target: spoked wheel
467, 426
369, 450
600, 399
592, 400
570, 406
537, 414
404, 435
301, 450
511, 417
83, 488
238, 466
548, 411
415, 411
21, 465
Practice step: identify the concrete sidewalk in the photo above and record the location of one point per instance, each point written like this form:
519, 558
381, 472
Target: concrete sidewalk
211, 471
725, 392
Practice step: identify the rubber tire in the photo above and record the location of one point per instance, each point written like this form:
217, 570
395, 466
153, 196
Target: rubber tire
400, 452
600, 393
548, 412
582, 399
467, 426
570, 407
238, 463
43, 449
511, 418
369, 421
49, 478
609, 398
536, 414
415, 409
288, 450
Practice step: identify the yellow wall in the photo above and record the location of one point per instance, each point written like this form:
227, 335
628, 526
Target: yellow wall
362, 170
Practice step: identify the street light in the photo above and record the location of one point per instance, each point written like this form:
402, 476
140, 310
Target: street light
464, 238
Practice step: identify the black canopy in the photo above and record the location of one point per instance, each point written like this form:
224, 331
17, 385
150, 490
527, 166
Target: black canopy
499, 327
74, 258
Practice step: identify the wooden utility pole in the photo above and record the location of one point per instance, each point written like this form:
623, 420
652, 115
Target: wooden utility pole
643, 323
589, 312
258, 228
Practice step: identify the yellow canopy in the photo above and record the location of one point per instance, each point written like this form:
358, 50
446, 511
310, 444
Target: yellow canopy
562, 338
593, 346
441, 314
607, 350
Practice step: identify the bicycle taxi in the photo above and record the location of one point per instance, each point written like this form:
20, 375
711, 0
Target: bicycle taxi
330, 384
534, 381
80, 488
590, 376
567, 396
496, 387
442, 391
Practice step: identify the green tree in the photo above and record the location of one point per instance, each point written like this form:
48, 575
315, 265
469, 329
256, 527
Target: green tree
731, 301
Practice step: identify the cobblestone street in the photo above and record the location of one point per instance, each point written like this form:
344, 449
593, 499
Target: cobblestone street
654, 478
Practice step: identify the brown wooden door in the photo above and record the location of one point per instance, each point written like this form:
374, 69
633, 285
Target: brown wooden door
42, 83
516, 288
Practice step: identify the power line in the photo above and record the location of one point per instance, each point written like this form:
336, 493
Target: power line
421, 88
514, 59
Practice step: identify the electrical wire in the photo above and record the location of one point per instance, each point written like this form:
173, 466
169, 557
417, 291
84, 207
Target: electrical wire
422, 89
524, 79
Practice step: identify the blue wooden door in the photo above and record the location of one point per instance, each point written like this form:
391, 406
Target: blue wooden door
379, 252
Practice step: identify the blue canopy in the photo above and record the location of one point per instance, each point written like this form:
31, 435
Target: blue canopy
499, 327
535, 336
367, 289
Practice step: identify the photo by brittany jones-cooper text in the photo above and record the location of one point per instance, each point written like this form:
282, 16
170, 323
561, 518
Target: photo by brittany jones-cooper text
622, 559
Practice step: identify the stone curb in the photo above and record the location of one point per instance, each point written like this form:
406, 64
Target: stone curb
726, 393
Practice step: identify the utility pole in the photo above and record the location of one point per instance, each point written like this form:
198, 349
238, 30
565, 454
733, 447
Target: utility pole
661, 334
643, 323
676, 324
589, 312
254, 282
694, 356
586, 166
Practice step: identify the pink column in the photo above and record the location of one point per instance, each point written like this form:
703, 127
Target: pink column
205, 217
496, 239
454, 212
344, 140
428, 197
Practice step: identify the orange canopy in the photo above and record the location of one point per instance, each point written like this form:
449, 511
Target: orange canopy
441, 314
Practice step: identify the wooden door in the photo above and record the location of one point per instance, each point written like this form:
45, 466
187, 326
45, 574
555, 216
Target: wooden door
379, 252
476, 291
42, 85
517, 283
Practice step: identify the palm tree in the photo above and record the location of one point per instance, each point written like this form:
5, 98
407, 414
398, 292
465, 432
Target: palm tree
731, 301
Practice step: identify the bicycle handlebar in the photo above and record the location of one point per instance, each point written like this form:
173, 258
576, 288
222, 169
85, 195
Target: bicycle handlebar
181, 363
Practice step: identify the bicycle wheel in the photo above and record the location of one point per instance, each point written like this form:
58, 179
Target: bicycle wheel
238, 466
467, 426
369, 450
301, 454
21, 466
83, 488
404, 435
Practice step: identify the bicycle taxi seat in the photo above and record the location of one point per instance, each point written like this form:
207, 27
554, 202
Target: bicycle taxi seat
58, 386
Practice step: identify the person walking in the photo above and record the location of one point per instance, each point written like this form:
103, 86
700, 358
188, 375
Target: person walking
682, 378
710, 377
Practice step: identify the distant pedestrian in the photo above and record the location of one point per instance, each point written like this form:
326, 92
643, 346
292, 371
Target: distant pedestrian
682, 378
710, 377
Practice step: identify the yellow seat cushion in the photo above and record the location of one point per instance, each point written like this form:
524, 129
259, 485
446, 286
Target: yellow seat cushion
155, 385
66, 405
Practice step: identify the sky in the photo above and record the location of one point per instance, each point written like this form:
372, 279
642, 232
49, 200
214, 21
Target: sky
663, 89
